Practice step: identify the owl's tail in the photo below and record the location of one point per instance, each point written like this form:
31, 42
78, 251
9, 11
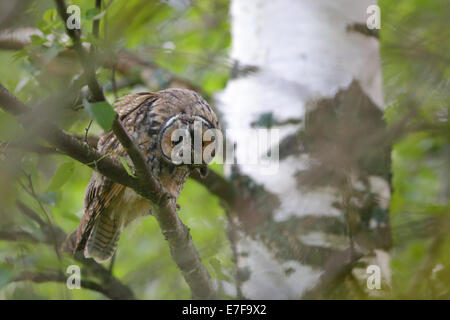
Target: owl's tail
103, 239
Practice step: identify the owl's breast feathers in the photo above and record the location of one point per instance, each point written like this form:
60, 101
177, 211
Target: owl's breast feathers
109, 207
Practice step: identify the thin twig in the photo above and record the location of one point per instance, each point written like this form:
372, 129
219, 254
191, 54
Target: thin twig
68, 144
50, 223
113, 81
87, 131
110, 287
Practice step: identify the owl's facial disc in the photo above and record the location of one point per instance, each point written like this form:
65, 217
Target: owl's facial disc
181, 140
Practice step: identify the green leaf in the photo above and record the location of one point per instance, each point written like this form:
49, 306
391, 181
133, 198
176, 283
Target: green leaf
22, 53
91, 13
101, 112
126, 166
49, 15
61, 176
37, 40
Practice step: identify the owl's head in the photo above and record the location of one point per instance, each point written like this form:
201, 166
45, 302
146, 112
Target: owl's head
188, 140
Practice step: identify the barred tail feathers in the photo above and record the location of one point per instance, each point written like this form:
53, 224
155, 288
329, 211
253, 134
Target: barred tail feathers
104, 238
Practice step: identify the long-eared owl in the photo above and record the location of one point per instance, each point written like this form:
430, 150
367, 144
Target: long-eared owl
150, 119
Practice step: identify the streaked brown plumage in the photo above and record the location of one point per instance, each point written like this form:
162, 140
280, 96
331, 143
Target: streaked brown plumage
149, 118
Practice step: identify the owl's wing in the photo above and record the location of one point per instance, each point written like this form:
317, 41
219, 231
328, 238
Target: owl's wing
101, 191
127, 104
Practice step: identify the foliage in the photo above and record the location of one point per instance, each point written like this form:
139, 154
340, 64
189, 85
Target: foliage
191, 39
415, 55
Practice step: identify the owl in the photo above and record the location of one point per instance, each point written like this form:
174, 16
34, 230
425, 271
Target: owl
158, 123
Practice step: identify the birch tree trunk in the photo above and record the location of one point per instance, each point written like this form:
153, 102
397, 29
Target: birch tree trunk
308, 69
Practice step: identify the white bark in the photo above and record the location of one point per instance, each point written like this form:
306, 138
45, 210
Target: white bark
303, 51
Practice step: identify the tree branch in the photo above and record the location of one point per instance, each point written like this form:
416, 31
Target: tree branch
17, 235
337, 266
16, 10
17, 38
219, 186
67, 143
61, 277
110, 286
52, 233
149, 73
177, 234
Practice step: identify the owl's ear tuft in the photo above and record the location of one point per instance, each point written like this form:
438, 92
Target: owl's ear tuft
203, 170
